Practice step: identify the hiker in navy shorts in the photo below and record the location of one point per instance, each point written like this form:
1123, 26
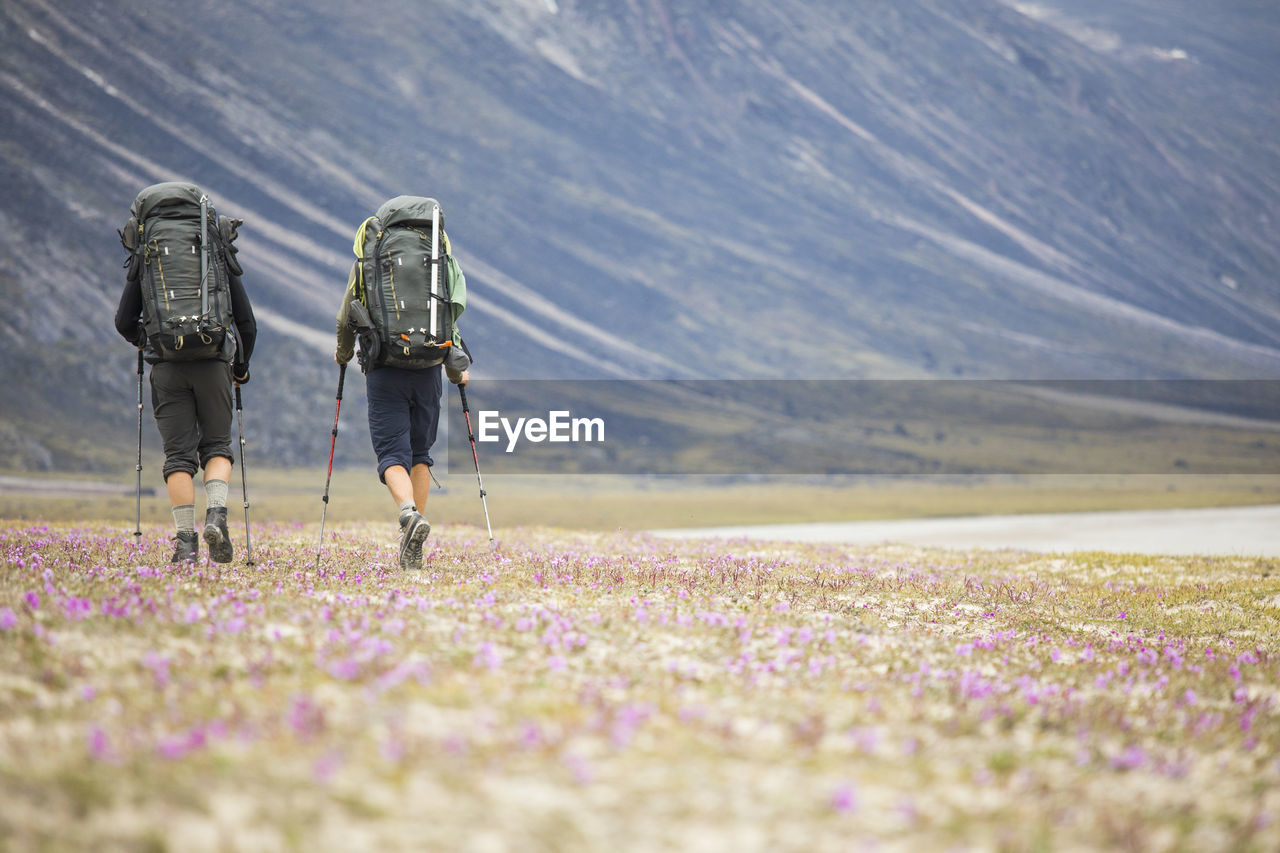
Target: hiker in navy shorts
403, 297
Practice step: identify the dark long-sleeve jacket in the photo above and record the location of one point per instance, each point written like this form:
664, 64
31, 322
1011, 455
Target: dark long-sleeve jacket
129, 319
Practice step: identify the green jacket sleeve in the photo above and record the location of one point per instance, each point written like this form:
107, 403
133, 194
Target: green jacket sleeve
346, 338
457, 360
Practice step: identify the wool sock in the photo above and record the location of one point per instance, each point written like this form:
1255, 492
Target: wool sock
215, 493
406, 509
184, 518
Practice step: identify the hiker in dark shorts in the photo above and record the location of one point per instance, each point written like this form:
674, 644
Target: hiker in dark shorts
404, 396
191, 399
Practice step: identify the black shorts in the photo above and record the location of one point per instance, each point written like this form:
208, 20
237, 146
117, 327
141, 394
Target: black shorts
404, 414
192, 405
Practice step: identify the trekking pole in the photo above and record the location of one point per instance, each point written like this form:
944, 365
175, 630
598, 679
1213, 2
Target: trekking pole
137, 523
333, 442
244, 486
466, 413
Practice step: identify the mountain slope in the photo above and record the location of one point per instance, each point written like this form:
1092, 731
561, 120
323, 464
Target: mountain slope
639, 189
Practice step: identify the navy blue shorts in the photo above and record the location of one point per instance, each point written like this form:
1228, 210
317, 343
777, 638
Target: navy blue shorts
404, 413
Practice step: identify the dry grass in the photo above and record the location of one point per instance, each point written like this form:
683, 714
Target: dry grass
635, 503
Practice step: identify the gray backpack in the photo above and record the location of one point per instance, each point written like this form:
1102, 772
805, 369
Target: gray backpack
410, 285
181, 252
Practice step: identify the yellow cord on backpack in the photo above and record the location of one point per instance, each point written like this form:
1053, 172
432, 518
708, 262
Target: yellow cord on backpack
391, 271
358, 248
164, 288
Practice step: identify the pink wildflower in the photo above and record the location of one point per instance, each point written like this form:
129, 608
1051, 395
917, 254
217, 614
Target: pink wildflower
844, 799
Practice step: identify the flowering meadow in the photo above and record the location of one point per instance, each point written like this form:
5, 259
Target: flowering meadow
579, 691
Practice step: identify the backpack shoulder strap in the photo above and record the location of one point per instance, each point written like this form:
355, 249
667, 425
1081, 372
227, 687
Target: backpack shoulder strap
225, 236
132, 241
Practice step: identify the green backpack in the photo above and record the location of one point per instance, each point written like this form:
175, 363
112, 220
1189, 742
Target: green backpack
410, 285
181, 252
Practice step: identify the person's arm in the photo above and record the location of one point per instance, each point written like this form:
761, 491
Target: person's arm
456, 365
346, 336
246, 328
458, 361
242, 313
129, 314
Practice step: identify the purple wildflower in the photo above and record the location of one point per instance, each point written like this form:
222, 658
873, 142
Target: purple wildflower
844, 799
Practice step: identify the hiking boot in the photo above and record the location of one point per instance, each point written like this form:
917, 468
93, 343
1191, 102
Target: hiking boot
216, 535
413, 532
186, 549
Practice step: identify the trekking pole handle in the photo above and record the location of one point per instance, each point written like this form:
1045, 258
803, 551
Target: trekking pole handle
342, 377
140, 365
466, 416
239, 409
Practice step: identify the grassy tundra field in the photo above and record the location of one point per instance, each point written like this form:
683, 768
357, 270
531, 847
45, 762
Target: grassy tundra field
579, 690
